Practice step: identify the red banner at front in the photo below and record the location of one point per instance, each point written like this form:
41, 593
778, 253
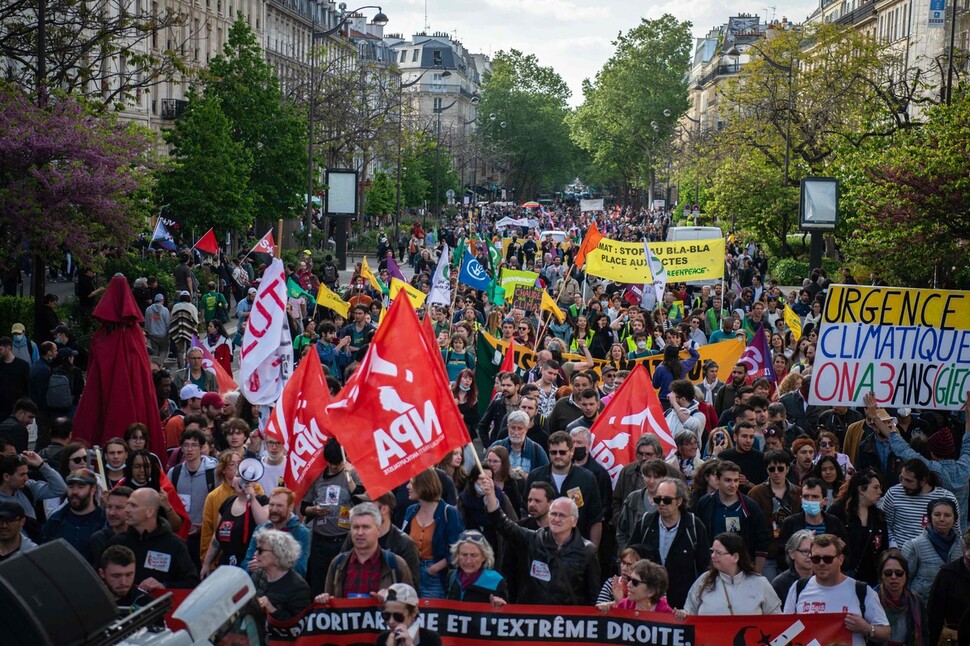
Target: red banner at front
469, 624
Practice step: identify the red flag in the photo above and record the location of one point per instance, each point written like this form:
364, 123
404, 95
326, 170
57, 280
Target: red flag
508, 364
590, 242
757, 357
265, 245
223, 378
428, 329
392, 416
296, 421
208, 243
632, 411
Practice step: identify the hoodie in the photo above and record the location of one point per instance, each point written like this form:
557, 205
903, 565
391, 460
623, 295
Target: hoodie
24, 348
157, 320
161, 555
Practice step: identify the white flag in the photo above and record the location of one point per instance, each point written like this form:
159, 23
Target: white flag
267, 349
441, 282
657, 270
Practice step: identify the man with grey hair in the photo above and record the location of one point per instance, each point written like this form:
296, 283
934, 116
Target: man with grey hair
366, 567
562, 566
523, 453
674, 538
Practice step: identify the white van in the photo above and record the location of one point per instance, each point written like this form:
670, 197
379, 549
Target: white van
558, 237
675, 234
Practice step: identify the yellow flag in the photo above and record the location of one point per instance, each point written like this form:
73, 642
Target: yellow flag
369, 275
415, 295
794, 323
330, 300
550, 306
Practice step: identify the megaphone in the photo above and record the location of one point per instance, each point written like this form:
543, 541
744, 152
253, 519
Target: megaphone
251, 469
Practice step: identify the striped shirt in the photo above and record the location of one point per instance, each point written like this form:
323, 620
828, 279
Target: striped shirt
906, 515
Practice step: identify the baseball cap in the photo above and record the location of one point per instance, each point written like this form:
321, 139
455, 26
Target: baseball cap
11, 510
61, 329
212, 399
17, 328
81, 476
402, 593
66, 352
159, 298
191, 391
184, 293
252, 290
607, 369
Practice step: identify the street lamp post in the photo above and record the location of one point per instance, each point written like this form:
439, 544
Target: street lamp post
697, 177
380, 19
400, 139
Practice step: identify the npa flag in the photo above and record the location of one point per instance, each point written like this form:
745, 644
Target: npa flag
757, 357
208, 243
657, 270
508, 365
223, 379
590, 241
298, 421
332, 301
161, 236
793, 321
267, 350
441, 282
396, 416
632, 411
472, 273
265, 245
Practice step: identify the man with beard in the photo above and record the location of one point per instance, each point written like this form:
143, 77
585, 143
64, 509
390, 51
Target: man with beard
116, 516
117, 570
80, 518
905, 503
282, 518
725, 398
541, 495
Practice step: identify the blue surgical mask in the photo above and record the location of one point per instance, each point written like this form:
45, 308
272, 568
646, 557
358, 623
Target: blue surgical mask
812, 507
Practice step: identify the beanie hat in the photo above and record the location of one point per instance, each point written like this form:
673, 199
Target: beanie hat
941, 443
803, 441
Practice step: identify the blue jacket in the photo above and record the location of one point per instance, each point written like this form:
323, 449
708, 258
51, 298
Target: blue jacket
298, 531
448, 526
662, 377
530, 450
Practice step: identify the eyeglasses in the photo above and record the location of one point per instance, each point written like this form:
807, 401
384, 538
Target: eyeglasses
635, 582
805, 553
649, 455
260, 550
399, 617
715, 552
827, 558
667, 500
776, 469
826, 444
894, 573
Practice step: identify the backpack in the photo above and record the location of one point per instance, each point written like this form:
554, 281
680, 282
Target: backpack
860, 592
59, 393
330, 274
210, 477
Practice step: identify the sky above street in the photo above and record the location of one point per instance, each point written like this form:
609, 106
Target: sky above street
573, 37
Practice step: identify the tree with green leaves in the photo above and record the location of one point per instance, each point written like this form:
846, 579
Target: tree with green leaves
623, 122
908, 205
262, 121
534, 148
379, 198
207, 183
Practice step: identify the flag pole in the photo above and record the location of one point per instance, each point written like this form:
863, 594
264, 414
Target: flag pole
250, 252
562, 288
279, 238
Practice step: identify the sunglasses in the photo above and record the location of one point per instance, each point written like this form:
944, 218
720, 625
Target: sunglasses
667, 500
894, 573
777, 469
474, 537
635, 582
827, 559
399, 617
80, 460
826, 444
566, 452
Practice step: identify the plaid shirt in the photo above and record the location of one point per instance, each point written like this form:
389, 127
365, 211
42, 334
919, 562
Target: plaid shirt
362, 578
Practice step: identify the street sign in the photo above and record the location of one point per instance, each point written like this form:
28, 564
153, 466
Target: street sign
450, 194
937, 15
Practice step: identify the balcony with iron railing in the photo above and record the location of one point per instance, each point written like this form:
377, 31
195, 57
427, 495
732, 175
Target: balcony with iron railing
858, 14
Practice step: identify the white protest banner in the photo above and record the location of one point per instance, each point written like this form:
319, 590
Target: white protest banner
590, 205
266, 357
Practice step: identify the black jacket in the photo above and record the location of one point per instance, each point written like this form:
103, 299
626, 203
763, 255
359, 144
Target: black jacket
491, 422
754, 528
949, 597
591, 511
687, 558
796, 522
561, 577
170, 563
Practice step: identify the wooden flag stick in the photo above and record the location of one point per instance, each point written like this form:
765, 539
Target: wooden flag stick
279, 238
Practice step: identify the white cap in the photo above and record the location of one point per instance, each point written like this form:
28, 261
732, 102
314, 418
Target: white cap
190, 391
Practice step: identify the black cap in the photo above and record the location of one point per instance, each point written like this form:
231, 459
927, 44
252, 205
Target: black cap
11, 510
61, 329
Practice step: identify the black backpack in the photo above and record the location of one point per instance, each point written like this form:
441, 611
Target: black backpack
330, 274
59, 393
860, 592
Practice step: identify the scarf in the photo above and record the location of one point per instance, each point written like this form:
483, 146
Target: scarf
465, 580
941, 544
904, 605
212, 337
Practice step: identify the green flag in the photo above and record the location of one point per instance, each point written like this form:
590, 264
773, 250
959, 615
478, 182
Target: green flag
459, 251
496, 293
494, 257
485, 371
294, 290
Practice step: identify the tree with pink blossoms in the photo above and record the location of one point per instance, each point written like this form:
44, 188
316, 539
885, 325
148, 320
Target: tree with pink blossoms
69, 179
